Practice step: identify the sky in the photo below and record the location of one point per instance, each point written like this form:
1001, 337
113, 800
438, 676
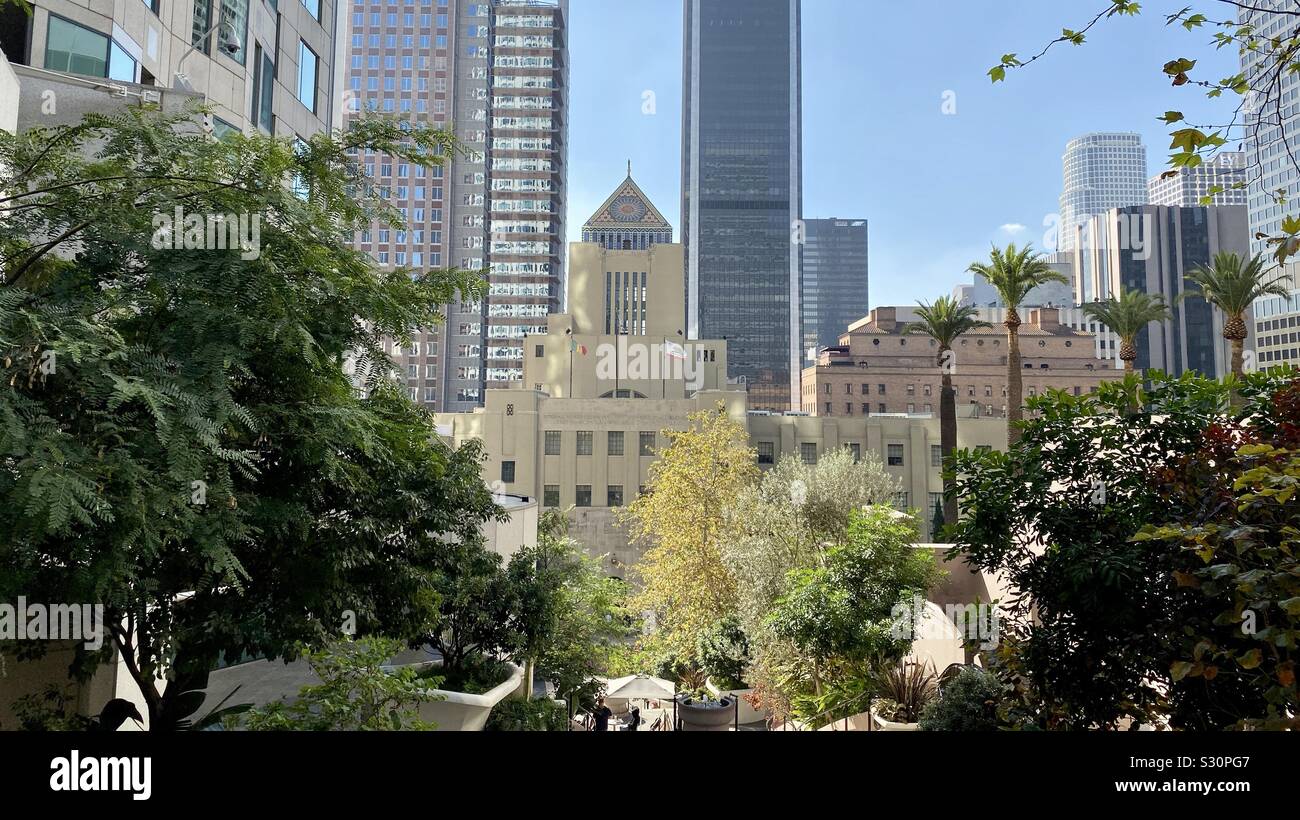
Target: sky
937, 188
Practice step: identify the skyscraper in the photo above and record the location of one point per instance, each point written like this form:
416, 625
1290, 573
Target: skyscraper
742, 188
1100, 171
1271, 145
1152, 249
834, 293
498, 73
1225, 173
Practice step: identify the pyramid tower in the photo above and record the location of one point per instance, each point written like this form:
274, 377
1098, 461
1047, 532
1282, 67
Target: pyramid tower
628, 220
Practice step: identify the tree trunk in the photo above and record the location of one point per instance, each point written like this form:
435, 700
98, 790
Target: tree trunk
1015, 379
948, 444
1238, 369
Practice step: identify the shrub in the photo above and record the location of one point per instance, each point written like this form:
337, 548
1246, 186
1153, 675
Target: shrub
519, 715
966, 703
723, 653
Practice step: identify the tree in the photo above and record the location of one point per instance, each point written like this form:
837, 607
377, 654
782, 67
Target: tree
1013, 273
840, 617
570, 615
1236, 547
1127, 316
1096, 620
179, 440
788, 522
945, 321
685, 583
1232, 284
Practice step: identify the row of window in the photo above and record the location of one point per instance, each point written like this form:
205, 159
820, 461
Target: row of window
553, 443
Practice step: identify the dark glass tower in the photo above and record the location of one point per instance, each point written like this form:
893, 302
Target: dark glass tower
742, 189
834, 279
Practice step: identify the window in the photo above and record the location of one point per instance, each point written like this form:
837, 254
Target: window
856, 450
895, 455
74, 49
615, 444
121, 66
766, 452
263, 90
551, 495
647, 444
307, 76
614, 495
936, 455
552, 442
313, 8
508, 472
808, 452
584, 442
882, 389
936, 500
900, 501
539, 351
582, 497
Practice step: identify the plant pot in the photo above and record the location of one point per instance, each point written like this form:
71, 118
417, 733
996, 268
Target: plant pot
458, 711
706, 715
748, 714
882, 725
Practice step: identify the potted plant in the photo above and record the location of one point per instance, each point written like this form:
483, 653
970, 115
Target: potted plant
967, 702
700, 711
474, 629
904, 690
723, 655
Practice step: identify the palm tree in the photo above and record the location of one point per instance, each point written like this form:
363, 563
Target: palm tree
944, 321
1126, 316
1013, 273
1232, 284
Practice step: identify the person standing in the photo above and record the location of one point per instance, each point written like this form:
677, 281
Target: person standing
602, 716
635, 721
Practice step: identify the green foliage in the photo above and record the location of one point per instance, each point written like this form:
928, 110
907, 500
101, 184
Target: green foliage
1238, 550
50, 710
945, 321
179, 440
905, 690
356, 694
1014, 272
1127, 315
477, 615
1099, 619
570, 616
519, 715
966, 703
1233, 282
723, 654
838, 619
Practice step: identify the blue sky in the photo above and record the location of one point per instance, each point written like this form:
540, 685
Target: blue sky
936, 188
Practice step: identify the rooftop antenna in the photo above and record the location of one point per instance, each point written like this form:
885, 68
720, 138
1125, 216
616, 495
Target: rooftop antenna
629, 169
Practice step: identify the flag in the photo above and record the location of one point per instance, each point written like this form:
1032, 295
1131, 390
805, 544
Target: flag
674, 350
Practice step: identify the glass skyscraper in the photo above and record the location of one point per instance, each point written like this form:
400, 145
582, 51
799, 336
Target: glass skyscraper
1100, 171
834, 280
742, 188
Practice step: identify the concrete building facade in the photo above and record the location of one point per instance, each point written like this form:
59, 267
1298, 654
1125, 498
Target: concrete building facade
880, 368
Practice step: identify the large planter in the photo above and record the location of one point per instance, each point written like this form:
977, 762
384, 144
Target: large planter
882, 725
706, 715
748, 714
458, 711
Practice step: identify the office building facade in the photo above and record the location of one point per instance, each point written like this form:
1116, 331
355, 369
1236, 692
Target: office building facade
1100, 171
742, 188
1152, 249
497, 73
835, 280
1221, 178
